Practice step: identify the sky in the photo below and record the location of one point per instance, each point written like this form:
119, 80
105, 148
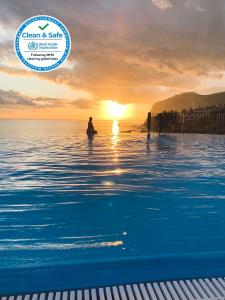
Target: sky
126, 51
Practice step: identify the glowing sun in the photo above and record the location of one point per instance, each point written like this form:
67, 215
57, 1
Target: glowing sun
115, 111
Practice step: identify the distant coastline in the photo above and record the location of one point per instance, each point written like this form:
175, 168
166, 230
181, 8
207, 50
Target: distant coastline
189, 101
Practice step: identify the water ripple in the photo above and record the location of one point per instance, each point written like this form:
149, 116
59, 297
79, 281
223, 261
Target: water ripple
68, 198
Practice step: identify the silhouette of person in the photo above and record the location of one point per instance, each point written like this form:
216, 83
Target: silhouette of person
91, 130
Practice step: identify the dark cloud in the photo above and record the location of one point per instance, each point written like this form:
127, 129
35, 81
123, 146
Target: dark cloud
15, 99
125, 48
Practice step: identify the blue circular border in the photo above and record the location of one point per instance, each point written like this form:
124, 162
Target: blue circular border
50, 19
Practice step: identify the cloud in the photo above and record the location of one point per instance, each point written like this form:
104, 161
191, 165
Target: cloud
83, 103
162, 4
13, 98
199, 8
127, 50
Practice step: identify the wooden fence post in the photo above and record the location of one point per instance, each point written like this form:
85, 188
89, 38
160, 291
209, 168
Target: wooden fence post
149, 122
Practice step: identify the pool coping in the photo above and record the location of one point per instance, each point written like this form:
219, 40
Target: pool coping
201, 289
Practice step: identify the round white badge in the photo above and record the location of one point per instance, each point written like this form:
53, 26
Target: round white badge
42, 43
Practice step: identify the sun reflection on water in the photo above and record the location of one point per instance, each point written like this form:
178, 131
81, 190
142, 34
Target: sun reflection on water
115, 128
115, 139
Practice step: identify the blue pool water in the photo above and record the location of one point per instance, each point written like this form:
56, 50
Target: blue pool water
81, 213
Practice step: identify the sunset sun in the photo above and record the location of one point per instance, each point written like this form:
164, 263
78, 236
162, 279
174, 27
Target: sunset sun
114, 110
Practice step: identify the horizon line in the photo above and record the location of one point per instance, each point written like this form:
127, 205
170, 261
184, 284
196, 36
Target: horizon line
83, 120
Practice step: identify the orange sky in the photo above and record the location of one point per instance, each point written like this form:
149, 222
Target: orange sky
129, 52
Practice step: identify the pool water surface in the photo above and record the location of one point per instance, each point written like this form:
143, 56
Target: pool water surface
119, 208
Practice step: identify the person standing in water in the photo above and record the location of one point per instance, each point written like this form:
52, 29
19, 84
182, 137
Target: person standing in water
91, 130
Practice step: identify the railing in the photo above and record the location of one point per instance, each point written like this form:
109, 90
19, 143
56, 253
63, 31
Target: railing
187, 122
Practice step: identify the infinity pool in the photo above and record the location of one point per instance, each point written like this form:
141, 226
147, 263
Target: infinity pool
116, 209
